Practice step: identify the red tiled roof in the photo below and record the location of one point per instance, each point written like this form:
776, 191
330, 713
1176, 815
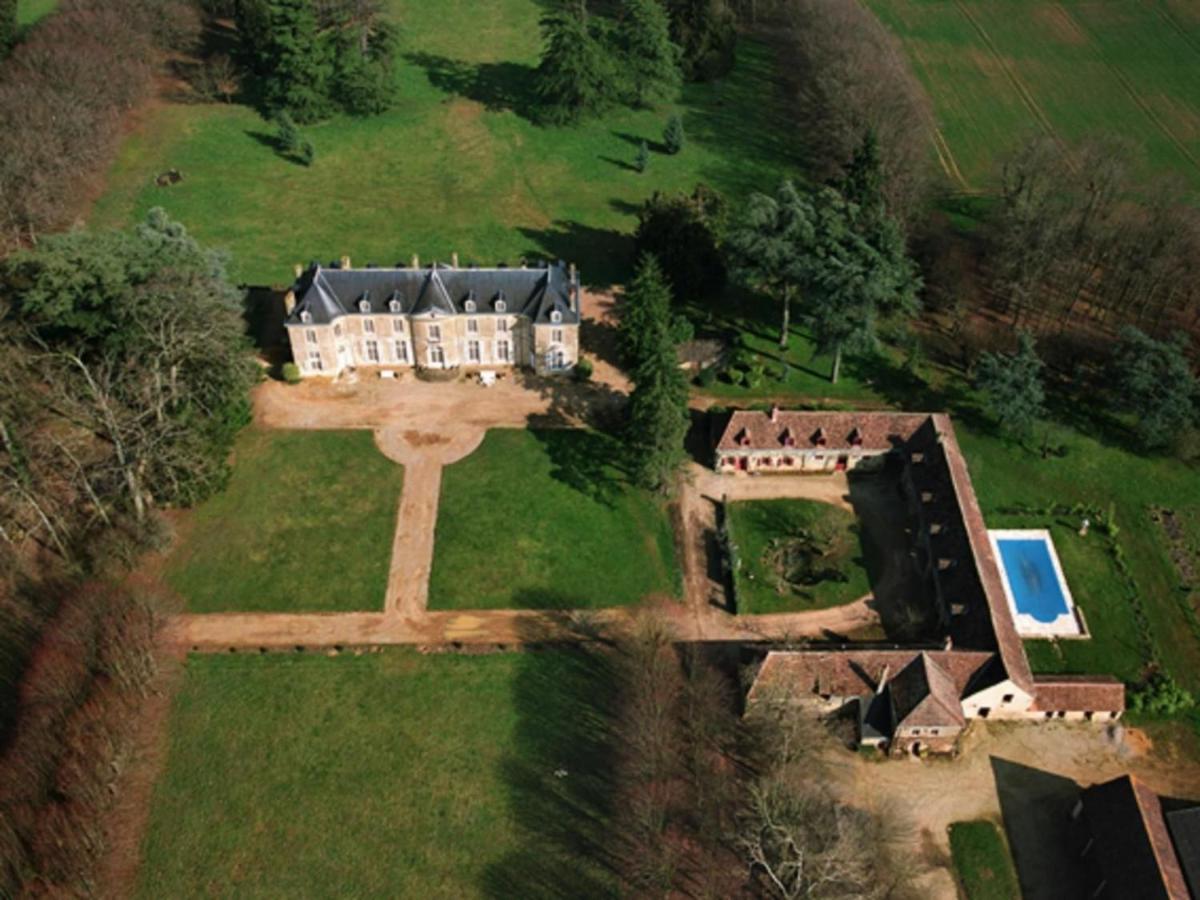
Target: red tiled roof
924, 694
1078, 693
878, 431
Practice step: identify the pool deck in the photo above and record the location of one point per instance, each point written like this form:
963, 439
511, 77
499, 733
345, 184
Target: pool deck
1069, 624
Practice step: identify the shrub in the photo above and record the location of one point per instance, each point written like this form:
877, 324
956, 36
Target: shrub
308, 153
642, 161
707, 377
673, 136
291, 373
583, 369
1160, 696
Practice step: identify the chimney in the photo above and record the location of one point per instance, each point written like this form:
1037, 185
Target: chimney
571, 272
289, 302
774, 413
345, 262
416, 261
883, 679
298, 269
573, 288
948, 644
454, 260
524, 265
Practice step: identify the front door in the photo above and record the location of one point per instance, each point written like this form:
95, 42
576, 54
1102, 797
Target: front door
743, 463
842, 462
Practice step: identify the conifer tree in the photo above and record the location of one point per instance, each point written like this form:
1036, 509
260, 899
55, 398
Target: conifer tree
649, 59
1153, 379
646, 311
641, 162
575, 76
673, 136
1012, 386
294, 62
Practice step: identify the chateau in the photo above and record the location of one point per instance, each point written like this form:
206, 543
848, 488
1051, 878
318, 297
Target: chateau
438, 317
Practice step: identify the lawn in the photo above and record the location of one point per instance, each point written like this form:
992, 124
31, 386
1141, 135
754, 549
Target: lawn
390, 774
544, 519
981, 858
29, 11
305, 525
823, 548
458, 165
998, 72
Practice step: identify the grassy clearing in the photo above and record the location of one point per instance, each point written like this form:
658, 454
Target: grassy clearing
305, 525
759, 587
997, 72
543, 519
391, 774
983, 862
30, 11
456, 166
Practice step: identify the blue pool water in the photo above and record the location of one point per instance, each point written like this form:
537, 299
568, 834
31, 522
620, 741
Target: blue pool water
1035, 587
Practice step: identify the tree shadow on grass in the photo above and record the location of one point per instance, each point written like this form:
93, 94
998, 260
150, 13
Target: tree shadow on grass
603, 255
497, 85
587, 461
559, 778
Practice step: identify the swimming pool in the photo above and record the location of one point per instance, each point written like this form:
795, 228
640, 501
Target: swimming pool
1034, 583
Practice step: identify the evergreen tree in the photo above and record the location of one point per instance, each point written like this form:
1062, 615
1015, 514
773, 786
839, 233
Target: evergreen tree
307, 153
673, 136
293, 61
575, 78
641, 162
1012, 386
8, 26
646, 311
364, 81
706, 33
287, 135
1153, 380
649, 59
684, 232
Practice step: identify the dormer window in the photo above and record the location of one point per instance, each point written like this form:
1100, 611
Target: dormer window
818, 437
742, 439
394, 305
364, 305
555, 317
501, 306
856, 438
787, 439
469, 303
305, 316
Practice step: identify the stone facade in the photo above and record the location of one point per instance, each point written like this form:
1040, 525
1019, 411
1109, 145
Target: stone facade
440, 317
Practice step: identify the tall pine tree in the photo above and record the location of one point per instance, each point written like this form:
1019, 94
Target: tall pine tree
575, 77
658, 414
1012, 386
293, 61
649, 59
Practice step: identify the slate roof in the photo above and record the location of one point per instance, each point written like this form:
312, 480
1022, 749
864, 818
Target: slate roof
1098, 693
1184, 826
329, 293
1132, 845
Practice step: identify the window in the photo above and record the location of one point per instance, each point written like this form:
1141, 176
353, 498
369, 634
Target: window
311, 336
401, 351
933, 732
369, 326
556, 336
502, 351
373, 351
473, 351
502, 324
397, 326
501, 306
437, 356
469, 306
337, 330
364, 305
394, 305
305, 316
1007, 698
472, 326
560, 359
314, 361
556, 317
435, 332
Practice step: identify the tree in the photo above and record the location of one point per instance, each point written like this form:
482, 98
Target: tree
641, 162
575, 78
139, 341
861, 181
649, 58
658, 416
8, 26
293, 61
768, 244
287, 135
706, 33
1153, 380
364, 81
1012, 385
673, 136
684, 231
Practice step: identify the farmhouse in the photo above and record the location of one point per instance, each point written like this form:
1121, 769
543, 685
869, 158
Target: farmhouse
920, 698
438, 317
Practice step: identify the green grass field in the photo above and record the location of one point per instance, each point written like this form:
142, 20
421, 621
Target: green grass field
305, 525
754, 524
456, 166
543, 519
984, 865
1000, 71
384, 775
29, 11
